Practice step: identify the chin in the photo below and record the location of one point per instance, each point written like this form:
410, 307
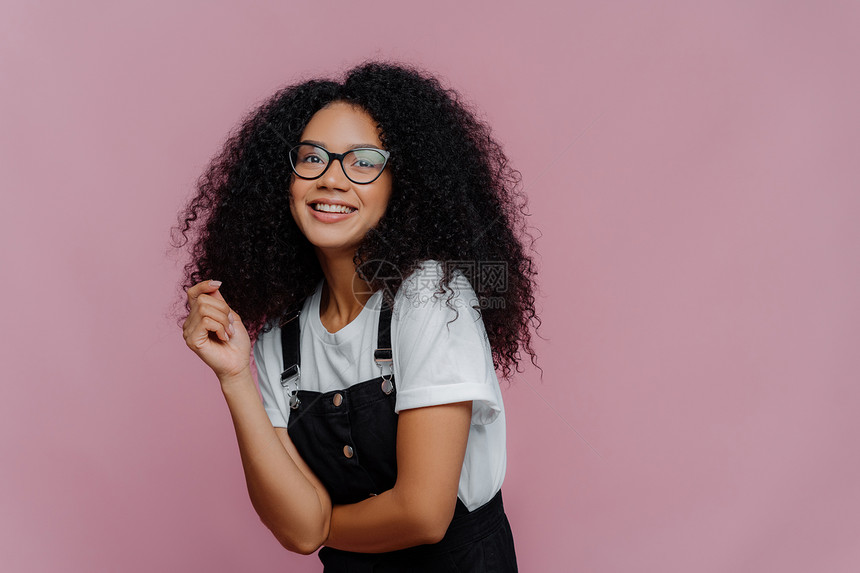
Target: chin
333, 246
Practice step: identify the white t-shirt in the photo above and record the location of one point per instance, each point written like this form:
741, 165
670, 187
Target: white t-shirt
440, 357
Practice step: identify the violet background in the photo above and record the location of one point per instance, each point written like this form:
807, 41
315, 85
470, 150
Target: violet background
692, 168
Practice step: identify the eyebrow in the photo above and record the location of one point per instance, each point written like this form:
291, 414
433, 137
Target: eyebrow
354, 146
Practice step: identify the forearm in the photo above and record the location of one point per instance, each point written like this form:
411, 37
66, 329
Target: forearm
385, 522
288, 504
431, 445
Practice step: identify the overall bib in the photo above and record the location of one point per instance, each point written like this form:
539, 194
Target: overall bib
348, 438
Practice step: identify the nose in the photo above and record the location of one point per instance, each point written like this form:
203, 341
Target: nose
334, 176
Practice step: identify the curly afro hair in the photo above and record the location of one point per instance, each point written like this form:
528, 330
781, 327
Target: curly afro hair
464, 206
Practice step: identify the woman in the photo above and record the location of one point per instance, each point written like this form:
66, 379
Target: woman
367, 235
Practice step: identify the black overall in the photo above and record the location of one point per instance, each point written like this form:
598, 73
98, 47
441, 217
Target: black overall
348, 438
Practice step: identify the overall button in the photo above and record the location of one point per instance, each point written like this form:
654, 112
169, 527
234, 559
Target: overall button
338, 399
347, 451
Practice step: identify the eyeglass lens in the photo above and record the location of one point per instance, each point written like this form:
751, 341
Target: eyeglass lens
360, 165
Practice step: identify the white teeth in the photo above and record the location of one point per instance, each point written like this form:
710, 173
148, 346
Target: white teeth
328, 208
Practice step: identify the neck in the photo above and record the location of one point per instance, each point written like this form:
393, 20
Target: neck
344, 294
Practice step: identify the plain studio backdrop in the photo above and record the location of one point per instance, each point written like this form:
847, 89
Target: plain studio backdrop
692, 169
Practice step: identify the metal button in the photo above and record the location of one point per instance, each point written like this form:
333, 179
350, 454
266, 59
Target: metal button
337, 400
347, 451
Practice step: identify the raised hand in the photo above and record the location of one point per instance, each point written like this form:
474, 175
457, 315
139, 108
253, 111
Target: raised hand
215, 332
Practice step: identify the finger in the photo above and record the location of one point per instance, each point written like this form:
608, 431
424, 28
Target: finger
208, 307
208, 286
198, 332
195, 330
212, 325
232, 316
207, 301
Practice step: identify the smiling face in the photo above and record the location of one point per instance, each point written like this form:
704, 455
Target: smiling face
333, 212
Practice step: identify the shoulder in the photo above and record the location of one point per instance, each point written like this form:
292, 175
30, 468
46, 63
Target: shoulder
440, 347
425, 289
425, 307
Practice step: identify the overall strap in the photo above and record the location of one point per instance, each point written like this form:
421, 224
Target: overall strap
383, 336
383, 354
290, 341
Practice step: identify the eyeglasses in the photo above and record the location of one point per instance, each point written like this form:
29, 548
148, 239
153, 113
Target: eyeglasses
363, 165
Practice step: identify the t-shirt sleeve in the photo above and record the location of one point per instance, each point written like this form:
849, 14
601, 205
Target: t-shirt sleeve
442, 354
268, 376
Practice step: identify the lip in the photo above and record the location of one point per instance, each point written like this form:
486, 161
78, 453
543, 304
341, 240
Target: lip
330, 217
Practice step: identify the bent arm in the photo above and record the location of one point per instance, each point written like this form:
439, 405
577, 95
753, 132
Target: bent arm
431, 446
287, 496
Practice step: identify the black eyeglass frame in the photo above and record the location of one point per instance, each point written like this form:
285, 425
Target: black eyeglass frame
332, 157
